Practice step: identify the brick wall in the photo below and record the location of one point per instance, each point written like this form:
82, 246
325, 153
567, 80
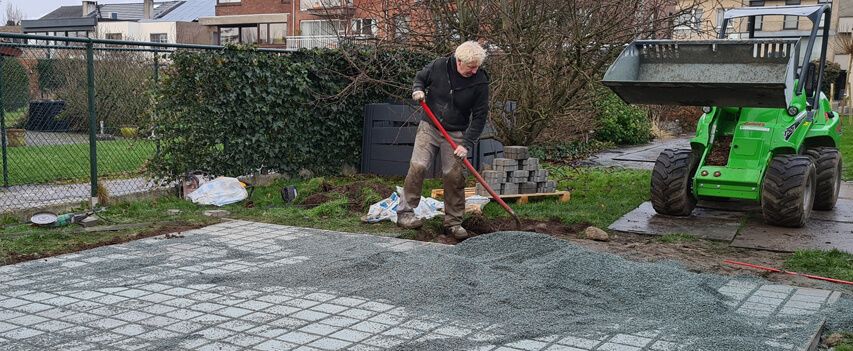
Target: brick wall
250, 7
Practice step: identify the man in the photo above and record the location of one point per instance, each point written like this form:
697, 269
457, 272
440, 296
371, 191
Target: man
457, 90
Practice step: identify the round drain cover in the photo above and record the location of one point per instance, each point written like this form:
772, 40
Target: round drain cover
43, 218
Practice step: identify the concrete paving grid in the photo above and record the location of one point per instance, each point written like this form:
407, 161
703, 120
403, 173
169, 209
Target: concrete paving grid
68, 303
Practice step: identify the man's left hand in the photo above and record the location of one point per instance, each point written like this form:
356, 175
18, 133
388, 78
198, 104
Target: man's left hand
461, 151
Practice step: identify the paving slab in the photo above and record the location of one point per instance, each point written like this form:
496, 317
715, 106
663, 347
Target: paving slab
843, 212
705, 223
639, 157
816, 234
202, 292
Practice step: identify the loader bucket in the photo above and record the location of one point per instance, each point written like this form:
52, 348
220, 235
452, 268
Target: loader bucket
725, 73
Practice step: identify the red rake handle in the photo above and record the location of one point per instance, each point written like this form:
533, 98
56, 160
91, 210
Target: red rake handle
774, 270
473, 171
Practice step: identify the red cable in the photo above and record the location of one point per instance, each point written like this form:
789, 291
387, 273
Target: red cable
769, 269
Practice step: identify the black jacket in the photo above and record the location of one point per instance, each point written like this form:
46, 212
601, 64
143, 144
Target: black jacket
459, 108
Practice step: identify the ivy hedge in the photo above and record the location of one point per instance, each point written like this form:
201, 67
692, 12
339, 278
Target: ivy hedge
238, 111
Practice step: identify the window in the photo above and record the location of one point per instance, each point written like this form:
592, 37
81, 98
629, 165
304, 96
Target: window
401, 26
691, 19
249, 35
272, 33
756, 3
305, 5
822, 22
309, 4
321, 27
229, 35
792, 2
364, 26
791, 22
113, 36
759, 22
227, 2
159, 38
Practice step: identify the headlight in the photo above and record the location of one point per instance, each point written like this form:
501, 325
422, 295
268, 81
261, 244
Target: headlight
706, 109
793, 111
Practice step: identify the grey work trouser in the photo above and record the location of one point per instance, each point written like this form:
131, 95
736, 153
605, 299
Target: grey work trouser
428, 140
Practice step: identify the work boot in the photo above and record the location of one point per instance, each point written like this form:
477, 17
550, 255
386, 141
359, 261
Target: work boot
457, 232
408, 220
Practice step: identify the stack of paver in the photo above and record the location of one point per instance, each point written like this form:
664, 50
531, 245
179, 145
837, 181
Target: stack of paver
516, 173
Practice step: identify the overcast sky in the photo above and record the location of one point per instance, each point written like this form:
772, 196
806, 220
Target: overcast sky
36, 8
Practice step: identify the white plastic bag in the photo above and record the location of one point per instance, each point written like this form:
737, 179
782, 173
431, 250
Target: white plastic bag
220, 191
387, 208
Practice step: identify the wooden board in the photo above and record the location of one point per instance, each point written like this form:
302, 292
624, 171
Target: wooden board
519, 198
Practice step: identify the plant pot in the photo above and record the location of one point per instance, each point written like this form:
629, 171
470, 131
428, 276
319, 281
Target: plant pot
16, 137
129, 132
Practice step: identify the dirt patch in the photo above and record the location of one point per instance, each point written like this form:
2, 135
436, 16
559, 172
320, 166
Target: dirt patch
317, 199
719, 155
167, 229
479, 225
353, 192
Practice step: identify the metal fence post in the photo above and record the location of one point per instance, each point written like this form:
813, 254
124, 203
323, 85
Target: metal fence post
93, 150
3, 126
156, 81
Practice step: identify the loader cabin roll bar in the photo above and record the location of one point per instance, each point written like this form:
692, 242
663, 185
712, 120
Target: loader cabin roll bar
814, 13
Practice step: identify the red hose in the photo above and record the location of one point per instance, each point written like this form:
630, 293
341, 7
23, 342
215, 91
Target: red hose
774, 270
473, 171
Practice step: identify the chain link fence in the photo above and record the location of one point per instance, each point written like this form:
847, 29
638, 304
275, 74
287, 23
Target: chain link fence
67, 102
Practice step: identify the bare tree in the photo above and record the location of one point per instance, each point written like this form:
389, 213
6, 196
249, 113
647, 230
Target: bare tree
14, 15
546, 56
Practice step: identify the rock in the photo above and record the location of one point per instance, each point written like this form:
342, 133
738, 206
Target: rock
173, 212
90, 221
216, 213
305, 174
596, 234
266, 179
541, 228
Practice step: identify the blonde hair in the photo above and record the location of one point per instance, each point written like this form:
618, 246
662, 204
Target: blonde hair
470, 52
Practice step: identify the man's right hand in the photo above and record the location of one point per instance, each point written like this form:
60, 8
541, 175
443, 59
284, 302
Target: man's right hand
418, 95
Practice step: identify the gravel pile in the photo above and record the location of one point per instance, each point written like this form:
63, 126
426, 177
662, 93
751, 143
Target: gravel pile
531, 285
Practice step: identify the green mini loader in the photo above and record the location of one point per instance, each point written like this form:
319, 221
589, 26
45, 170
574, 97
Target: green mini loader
767, 134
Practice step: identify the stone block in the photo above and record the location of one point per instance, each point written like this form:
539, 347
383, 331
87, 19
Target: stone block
498, 162
520, 174
539, 176
546, 187
527, 188
509, 189
516, 152
506, 168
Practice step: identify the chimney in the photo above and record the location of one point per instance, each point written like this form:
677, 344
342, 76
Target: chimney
89, 7
148, 9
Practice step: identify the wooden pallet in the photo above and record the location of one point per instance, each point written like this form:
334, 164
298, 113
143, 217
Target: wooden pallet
564, 196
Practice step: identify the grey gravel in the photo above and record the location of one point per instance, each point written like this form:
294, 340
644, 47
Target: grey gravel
221, 284
531, 285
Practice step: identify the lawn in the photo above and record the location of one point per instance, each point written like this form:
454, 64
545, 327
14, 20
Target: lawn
70, 162
598, 197
846, 149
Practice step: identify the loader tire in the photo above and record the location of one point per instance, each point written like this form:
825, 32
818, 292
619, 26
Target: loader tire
827, 162
672, 182
787, 193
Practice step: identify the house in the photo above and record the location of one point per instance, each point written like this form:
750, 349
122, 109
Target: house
291, 24
704, 22
149, 21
